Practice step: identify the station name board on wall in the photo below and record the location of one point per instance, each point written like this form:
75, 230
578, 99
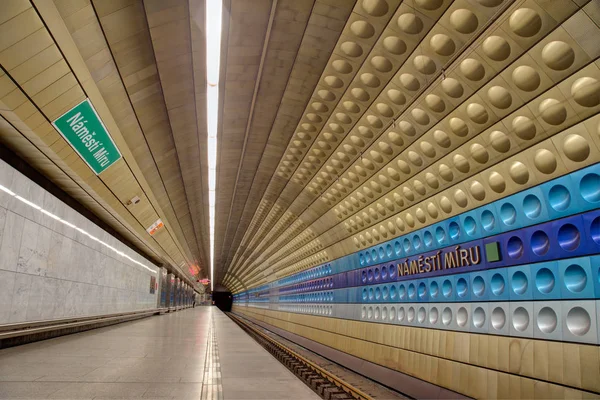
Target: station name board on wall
456, 257
83, 129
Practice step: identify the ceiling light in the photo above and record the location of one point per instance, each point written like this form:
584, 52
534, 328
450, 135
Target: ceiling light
213, 67
213, 41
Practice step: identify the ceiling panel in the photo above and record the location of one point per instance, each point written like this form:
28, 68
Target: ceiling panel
342, 123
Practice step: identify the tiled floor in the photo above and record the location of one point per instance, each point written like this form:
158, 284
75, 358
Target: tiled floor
158, 357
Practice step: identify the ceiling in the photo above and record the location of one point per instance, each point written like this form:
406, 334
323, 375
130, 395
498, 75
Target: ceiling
322, 103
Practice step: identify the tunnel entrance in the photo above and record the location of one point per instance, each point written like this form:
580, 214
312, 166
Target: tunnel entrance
223, 300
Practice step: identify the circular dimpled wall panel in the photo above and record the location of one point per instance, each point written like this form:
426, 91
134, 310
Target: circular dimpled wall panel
411, 314
497, 284
478, 286
514, 247
487, 220
479, 317
569, 237
461, 287
547, 320
540, 243
462, 317
575, 278
519, 283
532, 206
589, 187
412, 292
417, 242
520, 319
440, 235
447, 288
421, 315
392, 271
433, 315
454, 230
544, 280
508, 214
595, 230
428, 238
397, 248
447, 316
470, 226
402, 292
559, 198
422, 291
578, 321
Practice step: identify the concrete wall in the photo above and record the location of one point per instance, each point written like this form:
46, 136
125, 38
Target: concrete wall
50, 270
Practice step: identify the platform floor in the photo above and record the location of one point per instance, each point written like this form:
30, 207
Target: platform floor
192, 354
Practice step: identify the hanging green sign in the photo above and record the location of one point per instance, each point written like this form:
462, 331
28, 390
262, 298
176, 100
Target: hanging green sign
82, 128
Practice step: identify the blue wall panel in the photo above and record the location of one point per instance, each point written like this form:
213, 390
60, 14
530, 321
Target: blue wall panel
548, 242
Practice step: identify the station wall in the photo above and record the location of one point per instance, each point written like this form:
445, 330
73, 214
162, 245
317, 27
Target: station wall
57, 268
468, 303
467, 250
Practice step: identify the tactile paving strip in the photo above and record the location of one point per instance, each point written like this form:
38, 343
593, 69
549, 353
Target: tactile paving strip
212, 388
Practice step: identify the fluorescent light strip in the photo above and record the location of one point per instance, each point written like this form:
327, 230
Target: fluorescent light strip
48, 213
214, 9
6, 190
29, 203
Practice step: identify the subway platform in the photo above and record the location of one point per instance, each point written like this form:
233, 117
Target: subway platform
197, 353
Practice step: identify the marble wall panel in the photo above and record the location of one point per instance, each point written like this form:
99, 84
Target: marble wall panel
49, 270
20, 298
7, 284
10, 246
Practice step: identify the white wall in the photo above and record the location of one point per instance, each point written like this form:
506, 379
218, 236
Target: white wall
50, 270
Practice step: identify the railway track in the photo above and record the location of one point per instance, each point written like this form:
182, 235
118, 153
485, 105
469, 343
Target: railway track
322, 382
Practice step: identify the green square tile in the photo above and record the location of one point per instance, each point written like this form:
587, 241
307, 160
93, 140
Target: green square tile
492, 252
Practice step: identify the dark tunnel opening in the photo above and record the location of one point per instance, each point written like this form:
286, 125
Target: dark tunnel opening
223, 300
